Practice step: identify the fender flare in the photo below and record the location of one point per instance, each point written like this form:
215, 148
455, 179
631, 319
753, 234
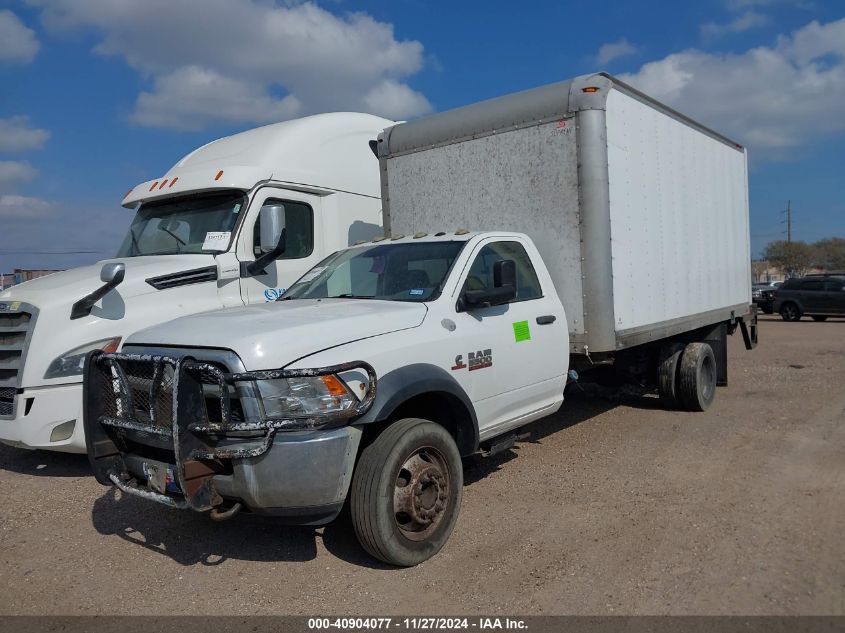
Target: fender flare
400, 385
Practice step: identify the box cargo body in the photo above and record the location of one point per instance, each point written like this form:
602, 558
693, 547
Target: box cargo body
640, 213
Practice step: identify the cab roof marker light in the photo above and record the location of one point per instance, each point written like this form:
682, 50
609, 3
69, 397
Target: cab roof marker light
163, 182
397, 237
173, 182
590, 89
219, 175
461, 232
153, 186
440, 234
419, 235
380, 238
126, 195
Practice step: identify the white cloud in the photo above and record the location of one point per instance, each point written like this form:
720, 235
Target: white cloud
746, 21
192, 97
248, 60
15, 173
614, 50
17, 42
17, 136
22, 207
395, 100
773, 99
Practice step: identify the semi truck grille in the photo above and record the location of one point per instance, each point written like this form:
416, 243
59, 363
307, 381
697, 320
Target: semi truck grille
16, 323
7, 401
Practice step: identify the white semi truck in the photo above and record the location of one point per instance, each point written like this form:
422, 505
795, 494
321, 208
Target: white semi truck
604, 230
206, 235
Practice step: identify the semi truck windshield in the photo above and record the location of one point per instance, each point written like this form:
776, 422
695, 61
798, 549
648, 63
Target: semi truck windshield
195, 224
393, 272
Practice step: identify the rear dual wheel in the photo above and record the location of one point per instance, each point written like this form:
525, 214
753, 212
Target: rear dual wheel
687, 376
406, 492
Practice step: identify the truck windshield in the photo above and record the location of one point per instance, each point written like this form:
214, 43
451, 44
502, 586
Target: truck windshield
193, 224
408, 271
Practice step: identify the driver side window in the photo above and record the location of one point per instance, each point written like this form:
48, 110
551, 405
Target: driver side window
299, 228
481, 272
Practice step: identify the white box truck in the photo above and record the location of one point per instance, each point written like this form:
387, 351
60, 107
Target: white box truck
205, 236
606, 230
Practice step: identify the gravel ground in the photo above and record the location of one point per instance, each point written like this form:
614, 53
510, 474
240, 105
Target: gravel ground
611, 508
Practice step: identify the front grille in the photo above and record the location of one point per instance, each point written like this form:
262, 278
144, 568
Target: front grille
137, 393
7, 401
16, 323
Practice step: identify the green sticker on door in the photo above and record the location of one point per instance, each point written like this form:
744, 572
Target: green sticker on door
521, 331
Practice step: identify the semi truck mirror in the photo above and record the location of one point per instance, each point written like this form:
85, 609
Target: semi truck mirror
272, 237
272, 222
111, 275
504, 273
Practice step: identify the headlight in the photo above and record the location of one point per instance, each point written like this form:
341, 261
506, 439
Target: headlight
70, 363
307, 397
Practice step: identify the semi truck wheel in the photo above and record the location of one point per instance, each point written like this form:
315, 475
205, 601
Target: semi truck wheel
697, 377
790, 312
667, 374
406, 492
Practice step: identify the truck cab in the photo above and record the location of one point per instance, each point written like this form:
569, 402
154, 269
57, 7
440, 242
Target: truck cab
370, 378
234, 222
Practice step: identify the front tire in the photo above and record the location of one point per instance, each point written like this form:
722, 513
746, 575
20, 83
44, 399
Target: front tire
790, 312
697, 377
406, 492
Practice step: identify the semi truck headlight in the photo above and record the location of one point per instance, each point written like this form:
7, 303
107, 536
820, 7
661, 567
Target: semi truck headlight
307, 397
70, 363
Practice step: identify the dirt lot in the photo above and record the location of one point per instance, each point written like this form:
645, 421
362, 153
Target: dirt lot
613, 508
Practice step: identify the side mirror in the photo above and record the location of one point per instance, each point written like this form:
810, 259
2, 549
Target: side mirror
503, 290
504, 273
113, 274
271, 219
272, 237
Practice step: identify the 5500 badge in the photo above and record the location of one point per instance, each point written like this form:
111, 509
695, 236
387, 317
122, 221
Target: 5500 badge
10, 307
475, 360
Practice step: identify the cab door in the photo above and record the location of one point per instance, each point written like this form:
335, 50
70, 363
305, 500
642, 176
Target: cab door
516, 355
304, 246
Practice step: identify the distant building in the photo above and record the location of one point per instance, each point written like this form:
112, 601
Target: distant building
21, 275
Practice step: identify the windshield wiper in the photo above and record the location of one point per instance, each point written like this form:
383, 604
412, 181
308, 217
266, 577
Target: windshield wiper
174, 236
348, 295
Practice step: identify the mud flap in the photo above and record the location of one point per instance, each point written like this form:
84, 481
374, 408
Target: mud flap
749, 329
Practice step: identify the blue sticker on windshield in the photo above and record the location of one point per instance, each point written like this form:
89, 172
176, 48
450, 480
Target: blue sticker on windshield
417, 292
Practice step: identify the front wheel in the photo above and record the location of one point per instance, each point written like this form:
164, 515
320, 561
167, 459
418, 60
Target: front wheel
406, 492
790, 312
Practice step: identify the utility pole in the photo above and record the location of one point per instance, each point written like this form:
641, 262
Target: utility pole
788, 213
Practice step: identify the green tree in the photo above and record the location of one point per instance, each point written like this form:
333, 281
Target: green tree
830, 253
794, 258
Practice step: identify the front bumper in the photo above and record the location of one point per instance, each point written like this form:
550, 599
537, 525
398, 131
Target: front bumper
38, 414
183, 433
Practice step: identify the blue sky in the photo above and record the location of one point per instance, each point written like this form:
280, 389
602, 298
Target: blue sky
99, 95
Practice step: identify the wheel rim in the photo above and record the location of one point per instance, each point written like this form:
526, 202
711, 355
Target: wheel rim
421, 493
790, 311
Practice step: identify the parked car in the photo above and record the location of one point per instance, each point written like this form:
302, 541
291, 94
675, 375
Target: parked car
817, 296
763, 296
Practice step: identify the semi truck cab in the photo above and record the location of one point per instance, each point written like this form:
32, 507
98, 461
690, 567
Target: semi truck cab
234, 222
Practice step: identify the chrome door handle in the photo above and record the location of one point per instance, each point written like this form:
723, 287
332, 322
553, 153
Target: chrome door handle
546, 319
